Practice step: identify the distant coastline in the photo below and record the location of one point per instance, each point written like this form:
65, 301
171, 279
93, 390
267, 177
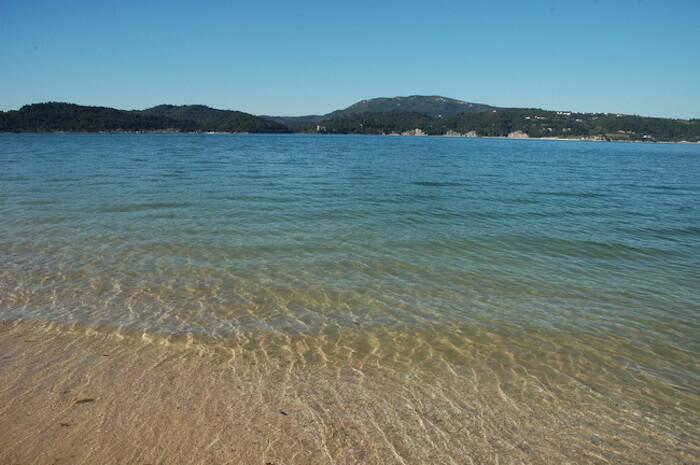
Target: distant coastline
406, 116
431, 136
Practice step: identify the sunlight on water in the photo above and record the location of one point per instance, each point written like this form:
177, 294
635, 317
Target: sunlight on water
556, 263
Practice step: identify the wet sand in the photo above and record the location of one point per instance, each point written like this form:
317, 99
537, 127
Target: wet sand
83, 395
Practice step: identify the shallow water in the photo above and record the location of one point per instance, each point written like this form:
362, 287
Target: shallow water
571, 263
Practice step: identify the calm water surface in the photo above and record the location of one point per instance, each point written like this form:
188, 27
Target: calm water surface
571, 259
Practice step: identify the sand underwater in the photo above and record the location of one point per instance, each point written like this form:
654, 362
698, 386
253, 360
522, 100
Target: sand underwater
89, 396
290, 299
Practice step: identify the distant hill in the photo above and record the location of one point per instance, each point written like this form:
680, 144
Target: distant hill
195, 113
432, 115
433, 105
55, 117
518, 122
210, 119
388, 122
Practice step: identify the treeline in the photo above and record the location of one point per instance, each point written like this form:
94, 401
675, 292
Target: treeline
66, 117
378, 123
502, 122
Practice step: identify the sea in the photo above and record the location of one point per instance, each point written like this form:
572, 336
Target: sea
571, 264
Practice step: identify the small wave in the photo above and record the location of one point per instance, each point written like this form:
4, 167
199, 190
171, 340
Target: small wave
575, 195
37, 202
436, 184
583, 248
142, 207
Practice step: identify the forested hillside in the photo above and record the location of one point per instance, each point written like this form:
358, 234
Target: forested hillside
56, 117
478, 121
532, 122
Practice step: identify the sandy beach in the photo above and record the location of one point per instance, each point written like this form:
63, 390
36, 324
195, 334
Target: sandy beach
337, 300
85, 395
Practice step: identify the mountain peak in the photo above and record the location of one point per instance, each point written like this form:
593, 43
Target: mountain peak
431, 105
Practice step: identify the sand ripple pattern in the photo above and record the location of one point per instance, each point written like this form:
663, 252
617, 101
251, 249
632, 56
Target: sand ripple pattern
402, 300
124, 397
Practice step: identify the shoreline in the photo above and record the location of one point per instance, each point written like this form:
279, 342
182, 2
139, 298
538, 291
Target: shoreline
592, 139
80, 393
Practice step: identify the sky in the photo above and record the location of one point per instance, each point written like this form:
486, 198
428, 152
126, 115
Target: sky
311, 57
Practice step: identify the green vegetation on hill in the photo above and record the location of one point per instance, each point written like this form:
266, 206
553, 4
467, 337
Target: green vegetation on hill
427, 105
376, 123
47, 117
434, 105
432, 115
541, 123
56, 117
210, 119
535, 123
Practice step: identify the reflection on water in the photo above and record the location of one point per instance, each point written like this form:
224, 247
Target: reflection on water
565, 264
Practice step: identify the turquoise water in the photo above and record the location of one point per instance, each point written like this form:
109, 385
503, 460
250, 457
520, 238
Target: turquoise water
585, 251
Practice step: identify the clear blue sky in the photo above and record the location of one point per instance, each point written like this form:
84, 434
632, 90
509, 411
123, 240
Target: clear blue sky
302, 57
